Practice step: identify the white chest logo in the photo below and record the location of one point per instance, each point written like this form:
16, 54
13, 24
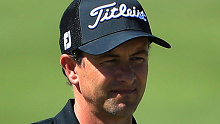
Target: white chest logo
111, 14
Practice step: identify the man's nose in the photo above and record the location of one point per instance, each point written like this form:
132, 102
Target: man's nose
125, 73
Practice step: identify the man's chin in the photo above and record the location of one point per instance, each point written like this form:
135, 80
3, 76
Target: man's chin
119, 109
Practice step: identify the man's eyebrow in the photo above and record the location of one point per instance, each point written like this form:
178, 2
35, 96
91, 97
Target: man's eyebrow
140, 52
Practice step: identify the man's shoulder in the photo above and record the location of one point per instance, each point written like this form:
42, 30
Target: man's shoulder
46, 121
65, 116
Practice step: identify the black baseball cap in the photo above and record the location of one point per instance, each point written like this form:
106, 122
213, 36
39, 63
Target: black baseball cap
98, 26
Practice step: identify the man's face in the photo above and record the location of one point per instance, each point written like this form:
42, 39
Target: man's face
113, 83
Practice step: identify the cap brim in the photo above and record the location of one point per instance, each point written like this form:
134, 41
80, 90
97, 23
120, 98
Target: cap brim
109, 42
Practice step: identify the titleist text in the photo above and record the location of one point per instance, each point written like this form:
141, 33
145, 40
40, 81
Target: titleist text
111, 14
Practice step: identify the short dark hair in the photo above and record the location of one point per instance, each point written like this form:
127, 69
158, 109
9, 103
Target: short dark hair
77, 55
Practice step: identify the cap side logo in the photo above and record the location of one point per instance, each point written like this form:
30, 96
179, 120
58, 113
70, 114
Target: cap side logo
67, 40
111, 13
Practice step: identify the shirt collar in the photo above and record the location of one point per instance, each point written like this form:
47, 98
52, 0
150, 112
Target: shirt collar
67, 114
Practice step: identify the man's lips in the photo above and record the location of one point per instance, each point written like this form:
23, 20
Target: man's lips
123, 91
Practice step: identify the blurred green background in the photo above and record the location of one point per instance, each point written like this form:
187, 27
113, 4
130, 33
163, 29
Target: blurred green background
183, 84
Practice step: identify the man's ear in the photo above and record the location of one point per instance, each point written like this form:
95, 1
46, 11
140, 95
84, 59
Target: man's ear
69, 66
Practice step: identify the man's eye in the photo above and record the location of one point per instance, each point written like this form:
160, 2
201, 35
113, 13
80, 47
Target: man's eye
137, 59
110, 60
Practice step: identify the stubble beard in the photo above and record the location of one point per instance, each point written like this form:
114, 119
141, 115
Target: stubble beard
121, 109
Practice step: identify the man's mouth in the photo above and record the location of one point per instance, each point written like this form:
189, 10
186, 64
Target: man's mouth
123, 91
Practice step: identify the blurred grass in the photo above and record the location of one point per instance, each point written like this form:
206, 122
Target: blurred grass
183, 83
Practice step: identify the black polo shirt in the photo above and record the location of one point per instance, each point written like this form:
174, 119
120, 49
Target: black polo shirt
66, 116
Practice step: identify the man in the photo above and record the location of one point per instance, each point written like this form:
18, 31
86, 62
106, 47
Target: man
104, 46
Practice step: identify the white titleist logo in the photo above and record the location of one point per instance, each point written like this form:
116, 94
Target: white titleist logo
111, 14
